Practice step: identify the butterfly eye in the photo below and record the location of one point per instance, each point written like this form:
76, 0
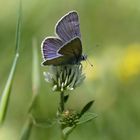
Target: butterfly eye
84, 57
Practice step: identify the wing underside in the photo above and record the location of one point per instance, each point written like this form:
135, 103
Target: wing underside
67, 27
70, 54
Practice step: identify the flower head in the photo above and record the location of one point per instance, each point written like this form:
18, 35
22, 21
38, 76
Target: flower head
69, 118
64, 77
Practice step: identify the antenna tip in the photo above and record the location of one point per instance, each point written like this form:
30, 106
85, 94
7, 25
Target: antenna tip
91, 65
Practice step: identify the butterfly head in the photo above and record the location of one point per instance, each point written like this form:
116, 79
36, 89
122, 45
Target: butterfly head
83, 57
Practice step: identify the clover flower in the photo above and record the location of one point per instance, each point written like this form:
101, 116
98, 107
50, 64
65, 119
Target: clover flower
64, 77
69, 118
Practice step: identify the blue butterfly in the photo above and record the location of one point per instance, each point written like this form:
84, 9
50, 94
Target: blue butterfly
66, 47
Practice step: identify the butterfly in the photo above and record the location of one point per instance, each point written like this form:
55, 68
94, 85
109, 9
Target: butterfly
66, 47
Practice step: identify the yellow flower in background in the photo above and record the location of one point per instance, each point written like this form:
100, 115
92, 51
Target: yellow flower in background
115, 61
131, 61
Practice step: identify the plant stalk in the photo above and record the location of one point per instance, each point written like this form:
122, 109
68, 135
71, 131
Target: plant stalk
62, 108
62, 104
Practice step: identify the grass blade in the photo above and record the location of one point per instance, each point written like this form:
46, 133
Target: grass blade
27, 129
35, 69
7, 90
35, 74
18, 28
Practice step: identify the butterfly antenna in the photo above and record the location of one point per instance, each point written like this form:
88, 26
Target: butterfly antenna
87, 60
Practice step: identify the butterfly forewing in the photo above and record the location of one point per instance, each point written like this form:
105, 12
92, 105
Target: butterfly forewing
67, 27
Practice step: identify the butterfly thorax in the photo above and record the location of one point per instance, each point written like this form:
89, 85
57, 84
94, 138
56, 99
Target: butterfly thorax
77, 60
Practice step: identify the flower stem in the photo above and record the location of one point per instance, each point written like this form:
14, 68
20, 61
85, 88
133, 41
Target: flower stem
63, 137
62, 105
62, 108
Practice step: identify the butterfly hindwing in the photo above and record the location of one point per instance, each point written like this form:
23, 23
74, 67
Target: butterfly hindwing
50, 46
67, 27
72, 48
61, 60
70, 54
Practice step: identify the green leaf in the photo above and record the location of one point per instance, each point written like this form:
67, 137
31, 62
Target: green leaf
86, 107
87, 117
66, 131
47, 123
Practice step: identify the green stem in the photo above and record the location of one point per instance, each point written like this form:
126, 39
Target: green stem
62, 108
62, 104
63, 137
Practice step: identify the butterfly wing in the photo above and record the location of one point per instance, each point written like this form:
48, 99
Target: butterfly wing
67, 27
50, 47
67, 48
61, 60
70, 53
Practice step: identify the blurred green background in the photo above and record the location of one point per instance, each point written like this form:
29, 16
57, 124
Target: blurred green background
111, 38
